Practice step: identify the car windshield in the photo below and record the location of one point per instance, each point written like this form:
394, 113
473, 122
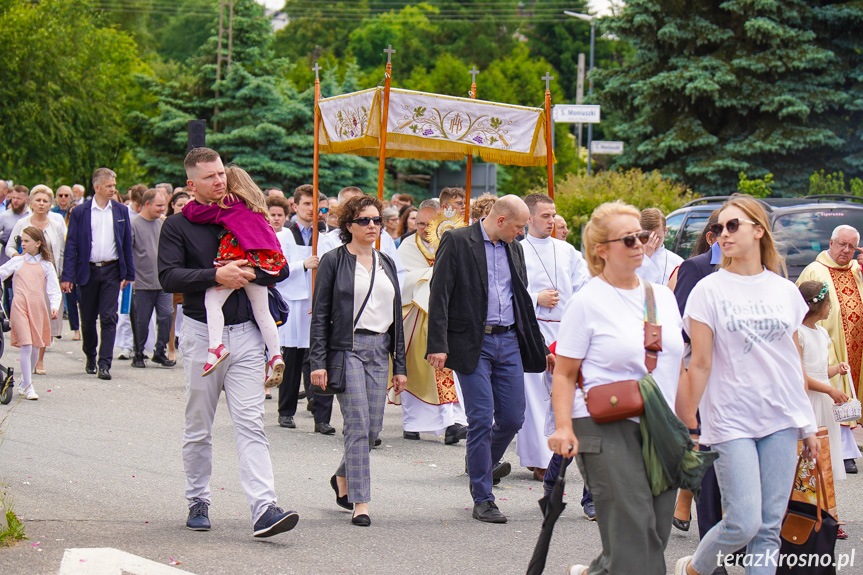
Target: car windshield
801, 236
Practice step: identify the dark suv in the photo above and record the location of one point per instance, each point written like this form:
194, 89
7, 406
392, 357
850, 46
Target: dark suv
800, 226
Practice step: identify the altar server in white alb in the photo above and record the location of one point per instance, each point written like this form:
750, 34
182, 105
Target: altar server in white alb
659, 263
555, 270
331, 240
431, 401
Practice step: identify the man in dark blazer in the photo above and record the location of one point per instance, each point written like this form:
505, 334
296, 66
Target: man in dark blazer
99, 259
482, 325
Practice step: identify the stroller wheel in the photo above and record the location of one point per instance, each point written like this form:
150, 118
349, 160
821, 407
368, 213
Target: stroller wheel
7, 387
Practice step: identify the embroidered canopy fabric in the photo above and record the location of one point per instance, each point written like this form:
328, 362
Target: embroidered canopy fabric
432, 127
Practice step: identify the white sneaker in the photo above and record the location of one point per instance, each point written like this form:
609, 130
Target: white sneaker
126, 353
576, 570
682, 563
30, 393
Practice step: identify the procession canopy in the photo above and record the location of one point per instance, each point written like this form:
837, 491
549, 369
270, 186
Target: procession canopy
432, 127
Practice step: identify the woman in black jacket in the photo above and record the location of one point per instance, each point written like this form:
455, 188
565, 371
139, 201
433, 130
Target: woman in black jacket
357, 309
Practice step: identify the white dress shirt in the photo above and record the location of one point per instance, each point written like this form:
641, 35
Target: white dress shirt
103, 247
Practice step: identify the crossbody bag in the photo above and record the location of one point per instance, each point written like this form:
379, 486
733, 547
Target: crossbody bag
622, 399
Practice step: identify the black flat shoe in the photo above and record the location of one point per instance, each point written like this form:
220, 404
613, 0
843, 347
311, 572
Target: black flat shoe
343, 500
361, 520
412, 435
680, 523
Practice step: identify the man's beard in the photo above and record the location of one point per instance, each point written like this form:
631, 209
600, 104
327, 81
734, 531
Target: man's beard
19, 210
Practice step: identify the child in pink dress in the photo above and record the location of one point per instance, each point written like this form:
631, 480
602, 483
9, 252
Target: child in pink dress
33, 275
249, 236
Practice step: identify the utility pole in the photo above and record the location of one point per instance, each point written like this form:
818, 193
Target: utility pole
219, 63
230, 33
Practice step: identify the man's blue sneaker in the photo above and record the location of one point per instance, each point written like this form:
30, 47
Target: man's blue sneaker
589, 511
198, 516
274, 521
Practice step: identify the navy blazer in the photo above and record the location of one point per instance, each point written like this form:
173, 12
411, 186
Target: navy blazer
79, 238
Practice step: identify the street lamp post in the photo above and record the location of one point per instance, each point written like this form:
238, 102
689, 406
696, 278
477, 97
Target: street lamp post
588, 18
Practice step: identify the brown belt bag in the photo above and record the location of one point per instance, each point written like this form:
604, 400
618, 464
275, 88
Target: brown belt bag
622, 399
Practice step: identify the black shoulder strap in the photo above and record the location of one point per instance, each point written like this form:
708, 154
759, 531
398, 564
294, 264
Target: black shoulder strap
298, 235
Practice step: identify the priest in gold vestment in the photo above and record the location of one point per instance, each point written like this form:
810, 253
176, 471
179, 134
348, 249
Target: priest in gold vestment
840, 270
430, 403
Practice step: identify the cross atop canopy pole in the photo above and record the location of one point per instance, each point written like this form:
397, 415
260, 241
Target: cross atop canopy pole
385, 109
548, 134
469, 176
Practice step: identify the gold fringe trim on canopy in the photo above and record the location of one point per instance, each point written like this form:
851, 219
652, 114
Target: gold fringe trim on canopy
432, 127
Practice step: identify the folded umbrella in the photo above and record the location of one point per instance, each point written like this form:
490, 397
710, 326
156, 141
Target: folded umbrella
552, 506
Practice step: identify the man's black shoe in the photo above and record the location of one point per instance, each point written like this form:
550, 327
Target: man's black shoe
500, 471
163, 360
412, 435
850, 466
455, 433
199, 519
274, 521
488, 512
104, 373
138, 361
90, 367
302, 394
287, 421
378, 441
324, 428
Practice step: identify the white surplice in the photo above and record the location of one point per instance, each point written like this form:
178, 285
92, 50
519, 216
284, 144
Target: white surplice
296, 290
556, 265
658, 268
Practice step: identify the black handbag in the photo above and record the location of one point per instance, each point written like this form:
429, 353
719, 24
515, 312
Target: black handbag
808, 538
337, 358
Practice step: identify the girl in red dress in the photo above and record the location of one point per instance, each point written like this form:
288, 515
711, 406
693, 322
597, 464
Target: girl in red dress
248, 236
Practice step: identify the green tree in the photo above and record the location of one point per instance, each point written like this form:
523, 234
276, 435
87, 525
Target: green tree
65, 83
761, 87
264, 123
577, 195
757, 188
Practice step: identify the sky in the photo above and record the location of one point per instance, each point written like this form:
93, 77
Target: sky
599, 6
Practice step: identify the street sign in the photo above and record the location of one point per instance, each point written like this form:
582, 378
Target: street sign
575, 114
601, 147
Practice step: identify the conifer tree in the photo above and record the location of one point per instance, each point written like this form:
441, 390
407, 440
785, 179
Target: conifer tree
754, 86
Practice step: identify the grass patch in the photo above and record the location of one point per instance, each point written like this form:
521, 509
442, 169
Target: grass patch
14, 533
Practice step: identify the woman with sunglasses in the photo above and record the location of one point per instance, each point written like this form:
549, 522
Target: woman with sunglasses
602, 336
746, 378
357, 308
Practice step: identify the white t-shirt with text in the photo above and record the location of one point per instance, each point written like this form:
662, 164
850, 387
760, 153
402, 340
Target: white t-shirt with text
755, 386
604, 326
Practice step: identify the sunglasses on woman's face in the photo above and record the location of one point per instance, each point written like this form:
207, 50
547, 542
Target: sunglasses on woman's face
629, 240
731, 225
377, 220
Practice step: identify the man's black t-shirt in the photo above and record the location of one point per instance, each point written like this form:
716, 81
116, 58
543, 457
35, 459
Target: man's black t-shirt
186, 254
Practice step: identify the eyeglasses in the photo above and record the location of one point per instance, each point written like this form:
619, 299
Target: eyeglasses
377, 220
323, 210
842, 246
731, 225
629, 239
62, 195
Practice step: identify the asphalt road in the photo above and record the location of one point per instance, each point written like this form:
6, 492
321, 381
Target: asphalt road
96, 464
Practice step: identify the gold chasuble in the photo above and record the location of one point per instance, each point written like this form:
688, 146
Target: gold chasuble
845, 322
433, 386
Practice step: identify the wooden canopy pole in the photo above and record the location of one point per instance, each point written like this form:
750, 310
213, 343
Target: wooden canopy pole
385, 110
316, 156
548, 142
473, 72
